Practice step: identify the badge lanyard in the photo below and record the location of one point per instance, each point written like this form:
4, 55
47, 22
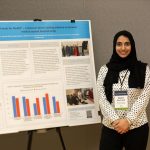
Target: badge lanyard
121, 97
121, 82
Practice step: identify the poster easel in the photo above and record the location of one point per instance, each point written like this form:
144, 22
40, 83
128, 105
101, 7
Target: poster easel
30, 138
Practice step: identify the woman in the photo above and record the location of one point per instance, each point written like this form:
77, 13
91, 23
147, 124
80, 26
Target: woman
124, 90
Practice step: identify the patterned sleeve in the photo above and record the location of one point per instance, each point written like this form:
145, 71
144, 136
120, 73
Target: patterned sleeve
141, 103
105, 106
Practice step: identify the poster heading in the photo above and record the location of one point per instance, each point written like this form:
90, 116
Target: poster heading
44, 30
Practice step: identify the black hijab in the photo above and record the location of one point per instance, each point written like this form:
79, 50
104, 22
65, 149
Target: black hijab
116, 64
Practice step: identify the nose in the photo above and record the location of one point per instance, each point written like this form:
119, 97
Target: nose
123, 46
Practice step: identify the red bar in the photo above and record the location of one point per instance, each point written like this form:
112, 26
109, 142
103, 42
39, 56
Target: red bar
57, 107
47, 103
17, 107
28, 107
38, 106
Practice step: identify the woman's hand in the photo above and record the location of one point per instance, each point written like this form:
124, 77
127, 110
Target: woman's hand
121, 125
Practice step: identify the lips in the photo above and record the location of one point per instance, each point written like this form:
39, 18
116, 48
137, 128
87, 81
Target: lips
123, 53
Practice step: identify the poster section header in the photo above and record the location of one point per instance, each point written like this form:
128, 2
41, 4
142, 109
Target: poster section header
44, 30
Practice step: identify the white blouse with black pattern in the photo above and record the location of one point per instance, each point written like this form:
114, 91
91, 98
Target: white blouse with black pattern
137, 100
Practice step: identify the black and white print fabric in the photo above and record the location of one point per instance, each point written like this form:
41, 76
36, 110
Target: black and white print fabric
137, 100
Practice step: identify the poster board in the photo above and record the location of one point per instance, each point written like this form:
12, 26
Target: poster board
47, 75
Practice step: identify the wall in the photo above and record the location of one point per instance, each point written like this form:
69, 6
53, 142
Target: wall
108, 17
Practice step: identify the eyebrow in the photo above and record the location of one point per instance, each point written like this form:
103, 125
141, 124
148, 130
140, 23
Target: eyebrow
124, 42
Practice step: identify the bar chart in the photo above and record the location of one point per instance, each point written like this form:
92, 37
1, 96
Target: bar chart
33, 105
34, 101
44, 102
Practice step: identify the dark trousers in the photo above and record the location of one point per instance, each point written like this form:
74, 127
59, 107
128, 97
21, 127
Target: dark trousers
135, 139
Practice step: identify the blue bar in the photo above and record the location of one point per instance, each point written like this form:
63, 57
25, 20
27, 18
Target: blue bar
43, 30
44, 105
35, 109
14, 105
24, 105
54, 104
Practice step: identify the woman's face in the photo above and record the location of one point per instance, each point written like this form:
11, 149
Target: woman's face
123, 46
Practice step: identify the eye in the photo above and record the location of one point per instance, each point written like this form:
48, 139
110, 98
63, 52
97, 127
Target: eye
118, 44
127, 44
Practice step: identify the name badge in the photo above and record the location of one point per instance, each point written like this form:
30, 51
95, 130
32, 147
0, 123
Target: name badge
121, 100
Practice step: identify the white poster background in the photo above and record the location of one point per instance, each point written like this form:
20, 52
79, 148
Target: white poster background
32, 68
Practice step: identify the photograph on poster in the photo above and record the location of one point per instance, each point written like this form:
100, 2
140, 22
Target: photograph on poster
75, 48
79, 96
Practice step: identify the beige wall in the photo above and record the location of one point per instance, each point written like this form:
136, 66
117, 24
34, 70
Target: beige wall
108, 17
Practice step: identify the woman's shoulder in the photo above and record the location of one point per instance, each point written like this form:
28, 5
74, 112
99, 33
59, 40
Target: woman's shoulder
103, 69
147, 69
147, 66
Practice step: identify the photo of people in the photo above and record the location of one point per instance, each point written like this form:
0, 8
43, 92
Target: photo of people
75, 48
79, 96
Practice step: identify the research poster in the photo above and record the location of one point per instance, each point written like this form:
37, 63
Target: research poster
47, 75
